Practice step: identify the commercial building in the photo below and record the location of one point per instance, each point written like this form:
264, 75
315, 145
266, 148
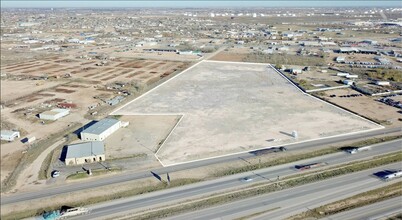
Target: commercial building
8, 135
116, 100
352, 76
382, 83
340, 59
342, 74
296, 71
100, 130
54, 114
348, 82
87, 152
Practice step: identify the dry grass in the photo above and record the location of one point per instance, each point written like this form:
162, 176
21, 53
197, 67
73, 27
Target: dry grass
353, 202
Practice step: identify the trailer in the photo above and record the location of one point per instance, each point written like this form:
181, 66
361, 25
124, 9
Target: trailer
268, 151
309, 166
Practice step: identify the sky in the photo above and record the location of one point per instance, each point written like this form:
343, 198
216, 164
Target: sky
197, 4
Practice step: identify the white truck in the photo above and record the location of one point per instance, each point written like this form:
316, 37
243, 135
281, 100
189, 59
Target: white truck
65, 213
353, 150
393, 175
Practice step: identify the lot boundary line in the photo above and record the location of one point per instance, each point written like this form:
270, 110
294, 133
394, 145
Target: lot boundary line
146, 93
328, 103
231, 154
170, 133
275, 146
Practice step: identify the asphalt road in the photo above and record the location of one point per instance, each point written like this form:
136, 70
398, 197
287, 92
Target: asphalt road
179, 194
379, 210
69, 188
291, 201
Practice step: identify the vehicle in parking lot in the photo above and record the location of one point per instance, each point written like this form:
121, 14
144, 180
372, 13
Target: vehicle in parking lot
55, 173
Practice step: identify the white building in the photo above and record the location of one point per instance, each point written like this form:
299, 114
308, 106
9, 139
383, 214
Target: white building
382, 83
54, 114
342, 74
296, 71
8, 135
340, 59
100, 130
348, 82
87, 152
352, 76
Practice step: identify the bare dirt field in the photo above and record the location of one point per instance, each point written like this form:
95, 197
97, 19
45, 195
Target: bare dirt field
231, 107
235, 55
11, 90
316, 76
366, 106
121, 69
143, 135
23, 98
157, 56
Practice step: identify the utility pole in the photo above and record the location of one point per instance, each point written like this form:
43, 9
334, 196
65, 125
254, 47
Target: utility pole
168, 178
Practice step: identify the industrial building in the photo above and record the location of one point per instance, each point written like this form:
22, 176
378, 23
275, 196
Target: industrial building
382, 83
348, 82
87, 152
8, 135
54, 114
100, 130
116, 100
296, 71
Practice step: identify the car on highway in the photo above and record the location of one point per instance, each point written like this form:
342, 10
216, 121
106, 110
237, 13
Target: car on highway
246, 179
55, 173
352, 150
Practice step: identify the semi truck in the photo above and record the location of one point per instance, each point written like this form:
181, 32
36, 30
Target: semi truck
309, 166
393, 175
353, 150
269, 150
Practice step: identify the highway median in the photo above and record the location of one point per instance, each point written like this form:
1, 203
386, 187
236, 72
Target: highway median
259, 189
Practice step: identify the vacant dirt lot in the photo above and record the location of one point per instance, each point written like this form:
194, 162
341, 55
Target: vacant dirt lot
232, 54
121, 69
367, 106
11, 90
234, 107
78, 83
143, 135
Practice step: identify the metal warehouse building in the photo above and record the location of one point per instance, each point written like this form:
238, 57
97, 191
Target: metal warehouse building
8, 135
54, 114
82, 153
100, 130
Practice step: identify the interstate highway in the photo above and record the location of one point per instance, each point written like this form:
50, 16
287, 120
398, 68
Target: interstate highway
295, 200
69, 188
378, 210
175, 195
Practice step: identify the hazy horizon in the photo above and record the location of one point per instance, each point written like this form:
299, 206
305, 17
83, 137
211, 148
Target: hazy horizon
194, 4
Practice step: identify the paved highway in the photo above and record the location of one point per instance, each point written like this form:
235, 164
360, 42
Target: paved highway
294, 200
192, 191
379, 210
69, 188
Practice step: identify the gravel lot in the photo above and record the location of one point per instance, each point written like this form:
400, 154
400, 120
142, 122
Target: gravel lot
231, 107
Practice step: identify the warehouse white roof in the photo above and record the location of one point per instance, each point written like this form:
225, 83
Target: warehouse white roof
55, 111
101, 126
86, 149
8, 133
